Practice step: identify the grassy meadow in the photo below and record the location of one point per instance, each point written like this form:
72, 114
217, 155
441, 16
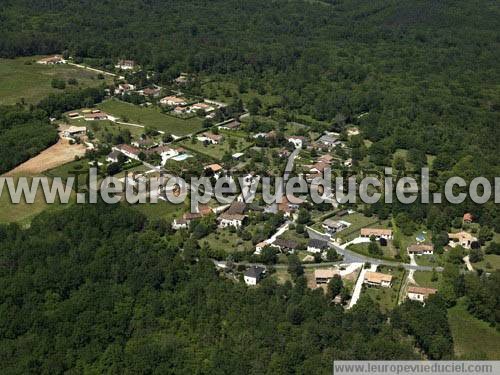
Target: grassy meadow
23, 78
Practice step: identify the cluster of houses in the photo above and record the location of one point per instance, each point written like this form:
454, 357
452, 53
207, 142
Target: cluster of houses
181, 106
147, 148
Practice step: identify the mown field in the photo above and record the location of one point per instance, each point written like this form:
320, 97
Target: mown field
23, 212
472, 337
151, 117
23, 78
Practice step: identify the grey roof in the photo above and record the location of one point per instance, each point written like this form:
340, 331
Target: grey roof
254, 272
114, 154
237, 208
284, 243
329, 139
318, 244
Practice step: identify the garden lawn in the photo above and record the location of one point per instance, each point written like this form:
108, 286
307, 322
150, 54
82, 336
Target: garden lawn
424, 279
387, 297
224, 239
151, 117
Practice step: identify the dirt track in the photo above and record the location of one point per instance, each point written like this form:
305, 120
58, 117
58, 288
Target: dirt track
60, 153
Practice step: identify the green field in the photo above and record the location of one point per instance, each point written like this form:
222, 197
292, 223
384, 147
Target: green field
23, 212
100, 128
472, 337
23, 78
151, 117
161, 210
490, 263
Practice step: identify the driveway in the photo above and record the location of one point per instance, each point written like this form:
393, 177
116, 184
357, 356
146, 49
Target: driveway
359, 285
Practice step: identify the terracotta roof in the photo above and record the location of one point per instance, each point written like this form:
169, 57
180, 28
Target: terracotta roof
420, 248
462, 236
468, 217
377, 277
212, 136
421, 290
325, 273
129, 149
214, 167
376, 232
96, 115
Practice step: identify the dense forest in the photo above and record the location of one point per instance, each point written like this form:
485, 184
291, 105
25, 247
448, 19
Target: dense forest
126, 300
23, 134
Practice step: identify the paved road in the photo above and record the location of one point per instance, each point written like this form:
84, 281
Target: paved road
353, 257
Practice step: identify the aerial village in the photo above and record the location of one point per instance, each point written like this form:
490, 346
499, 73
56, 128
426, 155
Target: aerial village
142, 130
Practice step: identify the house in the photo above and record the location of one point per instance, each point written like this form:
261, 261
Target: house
74, 131
113, 156
378, 279
151, 91
420, 249
234, 216
95, 116
231, 220
324, 275
416, 293
215, 168
201, 211
297, 141
125, 65
333, 226
209, 137
52, 60
73, 114
173, 101
468, 218
182, 79
123, 88
253, 275
319, 167
317, 246
377, 233
202, 107
129, 151
289, 205
328, 141
462, 238
180, 224
237, 155
231, 125
348, 162
352, 131
146, 143
260, 246
327, 158
284, 245
164, 151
